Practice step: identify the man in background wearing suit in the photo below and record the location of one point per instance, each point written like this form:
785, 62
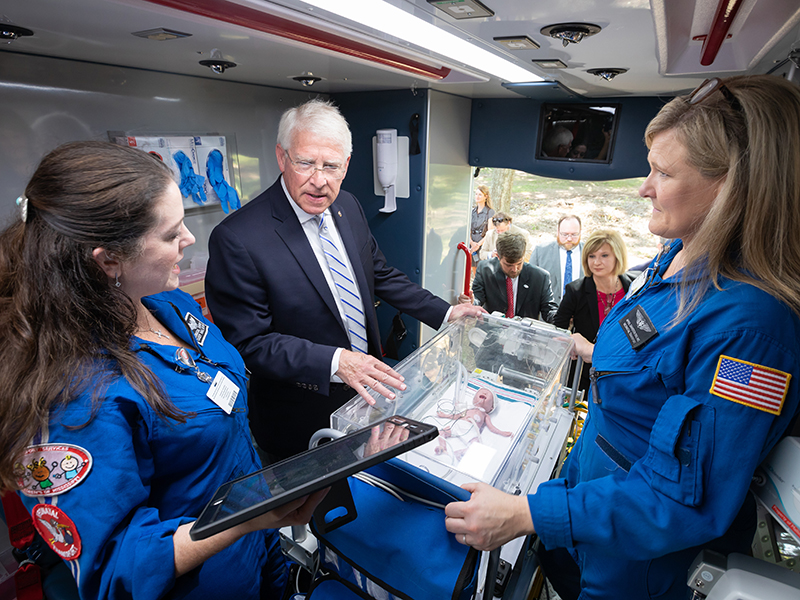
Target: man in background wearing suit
562, 258
509, 276
291, 282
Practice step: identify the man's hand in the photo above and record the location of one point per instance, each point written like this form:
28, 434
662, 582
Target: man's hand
464, 299
462, 310
360, 371
380, 440
489, 519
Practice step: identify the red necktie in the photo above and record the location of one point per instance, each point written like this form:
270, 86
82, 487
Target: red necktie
510, 296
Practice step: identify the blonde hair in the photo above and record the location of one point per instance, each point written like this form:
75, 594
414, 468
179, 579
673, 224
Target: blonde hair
485, 191
750, 233
613, 239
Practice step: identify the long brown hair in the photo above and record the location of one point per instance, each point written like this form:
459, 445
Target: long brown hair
750, 233
485, 191
63, 329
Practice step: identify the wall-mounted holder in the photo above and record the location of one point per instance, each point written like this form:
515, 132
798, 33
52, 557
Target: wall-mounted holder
400, 187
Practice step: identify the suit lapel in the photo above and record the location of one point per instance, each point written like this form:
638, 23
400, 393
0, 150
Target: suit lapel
292, 234
500, 280
523, 290
591, 298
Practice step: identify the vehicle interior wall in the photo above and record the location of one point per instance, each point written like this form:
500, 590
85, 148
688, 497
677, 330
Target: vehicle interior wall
504, 133
449, 197
399, 234
48, 101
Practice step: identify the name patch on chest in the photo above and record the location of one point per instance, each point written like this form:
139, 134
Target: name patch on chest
198, 328
638, 327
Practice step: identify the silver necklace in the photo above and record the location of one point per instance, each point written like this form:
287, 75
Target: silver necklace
158, 333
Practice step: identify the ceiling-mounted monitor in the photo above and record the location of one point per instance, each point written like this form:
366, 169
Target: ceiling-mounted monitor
577, 132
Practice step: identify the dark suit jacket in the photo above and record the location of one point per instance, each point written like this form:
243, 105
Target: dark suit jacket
580, 305
534, 296
268, 295
548, 258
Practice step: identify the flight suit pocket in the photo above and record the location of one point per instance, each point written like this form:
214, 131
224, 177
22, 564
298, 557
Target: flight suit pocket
675, 456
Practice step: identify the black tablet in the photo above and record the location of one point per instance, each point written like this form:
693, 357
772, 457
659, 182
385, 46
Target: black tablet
242, 499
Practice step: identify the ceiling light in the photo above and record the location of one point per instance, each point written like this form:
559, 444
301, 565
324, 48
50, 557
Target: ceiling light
517, 42
307, 79
570, 33
607, 73
9, 32
217, 63
393, 21
549, 63
463, 9
161, 34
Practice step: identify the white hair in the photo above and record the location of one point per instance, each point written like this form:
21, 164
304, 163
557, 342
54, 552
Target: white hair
319, 117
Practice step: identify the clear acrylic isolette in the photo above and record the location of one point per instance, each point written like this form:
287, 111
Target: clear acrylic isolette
493, 386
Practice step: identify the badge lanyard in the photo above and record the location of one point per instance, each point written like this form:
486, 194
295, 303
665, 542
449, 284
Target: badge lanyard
222, 391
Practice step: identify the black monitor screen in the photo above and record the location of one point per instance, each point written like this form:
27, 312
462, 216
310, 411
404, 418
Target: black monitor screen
577, 132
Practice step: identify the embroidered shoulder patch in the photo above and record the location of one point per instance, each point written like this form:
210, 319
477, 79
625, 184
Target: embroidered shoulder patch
52, 469
750, 384
58, 530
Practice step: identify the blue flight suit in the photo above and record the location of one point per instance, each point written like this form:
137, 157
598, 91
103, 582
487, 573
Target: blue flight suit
663, 466
150, 475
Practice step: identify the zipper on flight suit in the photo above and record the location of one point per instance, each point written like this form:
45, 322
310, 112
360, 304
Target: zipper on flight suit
594, 374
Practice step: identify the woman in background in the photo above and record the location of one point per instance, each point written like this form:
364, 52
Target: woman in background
109, 423
480, 223
587, 301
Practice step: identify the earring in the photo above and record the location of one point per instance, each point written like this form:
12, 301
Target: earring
116, 280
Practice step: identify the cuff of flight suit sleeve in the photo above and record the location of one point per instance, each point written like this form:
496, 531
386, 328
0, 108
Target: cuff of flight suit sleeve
156, 552
550, 514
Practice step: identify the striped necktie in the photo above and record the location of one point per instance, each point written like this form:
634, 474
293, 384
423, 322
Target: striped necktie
345, 283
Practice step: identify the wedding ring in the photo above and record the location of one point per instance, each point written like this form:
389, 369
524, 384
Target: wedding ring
464, 538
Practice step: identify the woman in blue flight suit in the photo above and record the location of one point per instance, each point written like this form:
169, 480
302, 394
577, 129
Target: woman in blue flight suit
694, 372
109, 369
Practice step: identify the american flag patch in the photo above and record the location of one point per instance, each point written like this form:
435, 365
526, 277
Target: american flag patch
750, 384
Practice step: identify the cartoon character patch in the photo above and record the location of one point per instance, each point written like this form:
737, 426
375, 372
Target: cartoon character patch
198, 328
58, 530
52, 469
750, 384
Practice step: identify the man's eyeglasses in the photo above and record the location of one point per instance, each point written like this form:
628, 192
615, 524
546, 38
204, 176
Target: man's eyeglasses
497, 221
708, 87
570, 236
307, 169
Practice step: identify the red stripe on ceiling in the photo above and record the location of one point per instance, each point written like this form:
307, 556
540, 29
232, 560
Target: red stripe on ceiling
236, 14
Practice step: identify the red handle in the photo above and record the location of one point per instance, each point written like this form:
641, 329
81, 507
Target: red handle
463, 246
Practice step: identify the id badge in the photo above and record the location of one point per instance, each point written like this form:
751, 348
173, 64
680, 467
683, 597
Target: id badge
223, 392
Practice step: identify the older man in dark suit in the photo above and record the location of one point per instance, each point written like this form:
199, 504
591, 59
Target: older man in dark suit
291, 282
510, 285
